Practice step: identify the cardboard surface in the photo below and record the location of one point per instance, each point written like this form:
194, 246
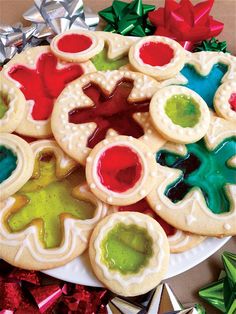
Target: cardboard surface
187, 284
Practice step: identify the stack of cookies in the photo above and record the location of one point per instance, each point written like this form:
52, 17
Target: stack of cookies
122, 146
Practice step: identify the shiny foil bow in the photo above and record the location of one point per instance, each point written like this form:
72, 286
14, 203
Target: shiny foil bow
128, 18
222, 293
23, 291
48, 18
186, 23
211, 45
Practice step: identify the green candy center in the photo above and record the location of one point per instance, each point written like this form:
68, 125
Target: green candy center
46, 200
8, 163
126, 248
102, 63
183, 110
3, 106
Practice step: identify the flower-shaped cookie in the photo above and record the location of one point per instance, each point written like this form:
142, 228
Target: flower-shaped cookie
104, 104
129, 253
179, 241
12, 106
41, 77
16, 164
196, 184
205, 71
225, 100
48, 222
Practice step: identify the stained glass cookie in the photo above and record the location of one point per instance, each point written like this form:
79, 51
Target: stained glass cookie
225, 100
12, 106
179, 114
196, 184
103, 104
205, 71
41, 77
179, 241
49, 220
157, 56
16, 164
129, 253
121, 170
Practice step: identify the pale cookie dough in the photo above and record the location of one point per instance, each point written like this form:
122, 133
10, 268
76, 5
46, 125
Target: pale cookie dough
225, 100
183, 241
12, 98
192, 213
74, 137
24, 248
174, 57
128, 278
24, 163
29, 59
64, 45
179, 114
125, 183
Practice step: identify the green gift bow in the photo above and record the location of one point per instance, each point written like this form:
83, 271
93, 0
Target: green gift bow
128, 18
212, 45
222, 293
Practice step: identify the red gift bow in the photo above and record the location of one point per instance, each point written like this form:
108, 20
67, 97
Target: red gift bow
186, 23
32, 292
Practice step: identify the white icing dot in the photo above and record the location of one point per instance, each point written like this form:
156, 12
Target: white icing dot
109, 199
105, 142
149, 154
227, 226
158, 207
153, 173
142, 193
89, 159
92, 186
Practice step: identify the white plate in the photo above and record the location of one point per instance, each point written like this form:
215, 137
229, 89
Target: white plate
79, 270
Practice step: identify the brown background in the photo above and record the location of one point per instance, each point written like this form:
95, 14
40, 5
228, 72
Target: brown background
187, 284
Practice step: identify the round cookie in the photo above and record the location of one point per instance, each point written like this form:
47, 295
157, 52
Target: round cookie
16, 164
157, 56
41, 77
225, 100
76, 45
205, 71
129, 253
196, 184
103, 104
121, 170
48, 222
179, 241
179, 114
12, 106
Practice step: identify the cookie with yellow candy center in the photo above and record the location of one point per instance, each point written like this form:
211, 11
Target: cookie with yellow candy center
48, 221
129, 253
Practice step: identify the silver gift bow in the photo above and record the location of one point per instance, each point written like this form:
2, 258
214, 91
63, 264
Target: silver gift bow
48, 18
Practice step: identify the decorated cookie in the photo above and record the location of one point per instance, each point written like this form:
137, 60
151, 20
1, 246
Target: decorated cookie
103, 104
205, 71
225, 100
129, 253
121, 170
114, 55
196, 184
47, 223
16, 164
12, 106
179, 241
76, 45
179, 114
41, 77
157, 56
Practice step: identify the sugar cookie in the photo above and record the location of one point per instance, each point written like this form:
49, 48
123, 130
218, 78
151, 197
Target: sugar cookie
225, 100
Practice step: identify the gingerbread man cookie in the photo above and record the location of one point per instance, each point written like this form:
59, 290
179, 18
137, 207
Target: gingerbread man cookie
41, 77
48, 222
196, 184
103, 104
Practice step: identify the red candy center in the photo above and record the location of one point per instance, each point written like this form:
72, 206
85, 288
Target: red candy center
74, 43
156, 54
232, 101
119, 168
112, 111
143, 207
44, 83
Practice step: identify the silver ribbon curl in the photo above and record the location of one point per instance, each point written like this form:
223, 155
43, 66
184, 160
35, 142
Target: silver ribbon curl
48, 18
